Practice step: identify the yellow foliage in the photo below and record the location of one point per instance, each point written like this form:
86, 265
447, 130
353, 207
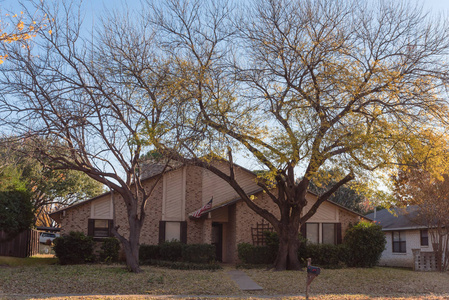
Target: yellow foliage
19, 33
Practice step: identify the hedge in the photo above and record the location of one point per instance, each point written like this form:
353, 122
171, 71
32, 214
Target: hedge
177, 251
362, 247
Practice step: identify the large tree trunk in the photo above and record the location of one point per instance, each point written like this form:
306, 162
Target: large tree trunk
287, 256
131, 249
132, 244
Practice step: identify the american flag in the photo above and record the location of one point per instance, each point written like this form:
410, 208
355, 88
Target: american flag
200, 211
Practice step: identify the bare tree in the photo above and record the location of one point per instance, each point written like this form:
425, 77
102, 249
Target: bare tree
91, 97
302, 85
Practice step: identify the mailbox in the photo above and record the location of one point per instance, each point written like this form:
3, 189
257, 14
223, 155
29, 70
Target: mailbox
313, 270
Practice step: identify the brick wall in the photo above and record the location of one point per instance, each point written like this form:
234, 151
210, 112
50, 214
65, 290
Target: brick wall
76, 219
245, 218
346, 219
193, 202
153, 210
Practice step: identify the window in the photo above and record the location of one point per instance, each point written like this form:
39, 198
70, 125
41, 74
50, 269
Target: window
329, 236
99, 228
424, 237
324, 233
398, 242
312, 233
172, 230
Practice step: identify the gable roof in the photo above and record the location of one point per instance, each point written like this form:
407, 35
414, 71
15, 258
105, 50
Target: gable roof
398, 218
156, 170
260, 190
151, 171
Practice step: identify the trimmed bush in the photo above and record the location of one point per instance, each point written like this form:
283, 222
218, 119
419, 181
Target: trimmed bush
177, 251
365, 243
74, 248
171, 251
250, 254
180, 265
147, 252
109, 250
198, 253
325, 255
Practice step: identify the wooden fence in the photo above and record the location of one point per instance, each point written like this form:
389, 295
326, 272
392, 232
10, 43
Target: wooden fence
24, 244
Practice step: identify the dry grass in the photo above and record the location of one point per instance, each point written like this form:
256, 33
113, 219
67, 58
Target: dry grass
54, 281
359, 283
41, 259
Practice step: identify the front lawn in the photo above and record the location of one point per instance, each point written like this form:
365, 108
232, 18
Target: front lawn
355, 284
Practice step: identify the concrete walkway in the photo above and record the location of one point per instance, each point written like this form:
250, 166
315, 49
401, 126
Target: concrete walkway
244, 282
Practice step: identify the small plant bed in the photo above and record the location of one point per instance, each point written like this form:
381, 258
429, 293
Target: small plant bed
180, 265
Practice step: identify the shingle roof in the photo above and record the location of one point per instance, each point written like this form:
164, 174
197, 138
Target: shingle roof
397, 219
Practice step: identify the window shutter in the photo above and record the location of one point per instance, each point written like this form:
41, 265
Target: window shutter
338, 233
183, 232
303, 230
110, 225
161, 232
90, 227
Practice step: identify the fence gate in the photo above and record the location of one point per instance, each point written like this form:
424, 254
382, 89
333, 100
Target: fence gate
24, 244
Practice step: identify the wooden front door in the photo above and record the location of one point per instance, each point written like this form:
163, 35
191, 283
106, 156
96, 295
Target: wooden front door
217, 240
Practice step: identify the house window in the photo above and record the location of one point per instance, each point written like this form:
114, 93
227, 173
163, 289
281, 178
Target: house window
325, 233
329, 236
99, 228
172, 230
398, 242
313, 233
424, 237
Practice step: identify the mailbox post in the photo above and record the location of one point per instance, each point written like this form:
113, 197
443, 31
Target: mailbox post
312, 273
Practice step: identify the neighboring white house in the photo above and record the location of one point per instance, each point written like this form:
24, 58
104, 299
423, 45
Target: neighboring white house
407, 241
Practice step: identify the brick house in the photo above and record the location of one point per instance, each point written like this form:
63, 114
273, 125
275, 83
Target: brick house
184, 190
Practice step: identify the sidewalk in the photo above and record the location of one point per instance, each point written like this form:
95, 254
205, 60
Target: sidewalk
244, 282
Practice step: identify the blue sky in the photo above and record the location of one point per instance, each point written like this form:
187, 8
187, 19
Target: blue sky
96, 7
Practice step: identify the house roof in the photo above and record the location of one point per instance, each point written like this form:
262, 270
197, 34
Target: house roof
397, 218
158, 169
237, 199
150, 173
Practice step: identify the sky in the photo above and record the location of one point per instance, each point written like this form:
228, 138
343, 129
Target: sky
94, 9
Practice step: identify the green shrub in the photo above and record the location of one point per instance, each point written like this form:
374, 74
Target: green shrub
365, 243
147, 252
198, 253
74, 248
180, 265
250, 254
177, 251
244, 251
171, 251
325, 255
109, 250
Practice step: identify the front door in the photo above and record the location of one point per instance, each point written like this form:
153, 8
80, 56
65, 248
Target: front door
217, 240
